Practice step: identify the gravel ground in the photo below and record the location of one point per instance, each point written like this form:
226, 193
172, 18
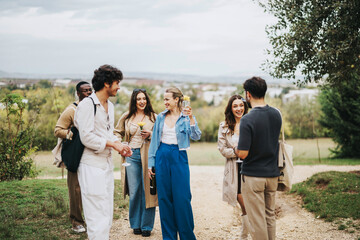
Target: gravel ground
214, 219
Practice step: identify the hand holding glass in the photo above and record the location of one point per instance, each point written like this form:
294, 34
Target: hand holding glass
185, 105
125, 164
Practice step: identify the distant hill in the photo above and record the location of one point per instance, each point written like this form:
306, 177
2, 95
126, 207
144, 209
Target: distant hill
42, 76
237, 78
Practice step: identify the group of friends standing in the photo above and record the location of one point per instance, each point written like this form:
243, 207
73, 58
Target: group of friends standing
147, 141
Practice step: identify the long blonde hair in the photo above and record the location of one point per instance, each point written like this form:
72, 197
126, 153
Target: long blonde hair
176, 93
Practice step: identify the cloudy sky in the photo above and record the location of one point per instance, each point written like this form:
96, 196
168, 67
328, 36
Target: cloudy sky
201, 37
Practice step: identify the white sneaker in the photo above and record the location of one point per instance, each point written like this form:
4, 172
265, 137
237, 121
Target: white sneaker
79, 229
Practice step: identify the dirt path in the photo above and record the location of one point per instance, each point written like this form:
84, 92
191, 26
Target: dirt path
215, 219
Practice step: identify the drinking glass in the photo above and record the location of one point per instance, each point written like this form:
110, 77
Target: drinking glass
238, 160
125, 164
185, 104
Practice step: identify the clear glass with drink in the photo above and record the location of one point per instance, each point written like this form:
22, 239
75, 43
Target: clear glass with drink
186, 104
125, 164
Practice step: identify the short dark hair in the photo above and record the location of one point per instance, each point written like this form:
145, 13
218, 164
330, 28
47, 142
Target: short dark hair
79, 85
256, 86
105, 74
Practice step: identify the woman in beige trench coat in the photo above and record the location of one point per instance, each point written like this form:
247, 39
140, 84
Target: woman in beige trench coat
135, 127
228, 137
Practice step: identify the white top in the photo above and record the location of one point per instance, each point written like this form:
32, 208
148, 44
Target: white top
136, 139
95, 131
235, 141
169, 135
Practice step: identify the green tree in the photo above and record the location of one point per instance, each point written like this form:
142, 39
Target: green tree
341, 114
208, 119
16, 137
44, 84
320, 39
303, 116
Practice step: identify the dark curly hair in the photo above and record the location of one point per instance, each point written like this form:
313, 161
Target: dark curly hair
229, 115
148, 109
106, 74
256, 86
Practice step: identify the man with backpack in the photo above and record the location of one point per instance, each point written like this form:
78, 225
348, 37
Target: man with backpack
62, 131
94, 118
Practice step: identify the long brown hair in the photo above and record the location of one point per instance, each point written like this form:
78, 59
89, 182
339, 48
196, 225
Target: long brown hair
148, 109
229, 116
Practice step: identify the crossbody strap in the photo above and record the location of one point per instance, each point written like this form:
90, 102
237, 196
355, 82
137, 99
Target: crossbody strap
282, 125
281, 162
94, 105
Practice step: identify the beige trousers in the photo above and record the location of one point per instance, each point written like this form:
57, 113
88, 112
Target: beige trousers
259, 198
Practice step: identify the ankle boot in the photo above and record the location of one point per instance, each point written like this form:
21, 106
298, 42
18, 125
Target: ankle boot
245, 226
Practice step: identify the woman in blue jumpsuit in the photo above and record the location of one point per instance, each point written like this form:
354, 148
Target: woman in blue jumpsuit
167, 153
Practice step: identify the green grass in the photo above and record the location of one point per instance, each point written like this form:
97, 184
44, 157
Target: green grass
44, 163
305, 153
333, 196
39, 209
200, 153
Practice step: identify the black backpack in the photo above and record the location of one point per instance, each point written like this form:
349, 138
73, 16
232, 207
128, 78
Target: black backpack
73, 149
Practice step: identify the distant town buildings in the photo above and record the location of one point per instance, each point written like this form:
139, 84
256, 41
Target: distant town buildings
62, 82
303, 94
215, 97
212, 93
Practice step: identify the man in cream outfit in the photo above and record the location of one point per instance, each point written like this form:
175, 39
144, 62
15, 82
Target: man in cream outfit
95, 171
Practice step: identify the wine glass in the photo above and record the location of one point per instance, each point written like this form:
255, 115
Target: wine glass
125, 164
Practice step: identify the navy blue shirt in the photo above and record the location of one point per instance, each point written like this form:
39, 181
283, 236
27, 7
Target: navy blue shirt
259, 134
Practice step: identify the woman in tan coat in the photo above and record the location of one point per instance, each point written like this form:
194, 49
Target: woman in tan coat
228, 137
135, 127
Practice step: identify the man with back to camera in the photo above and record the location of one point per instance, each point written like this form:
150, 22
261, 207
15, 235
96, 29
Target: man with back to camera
258, 147
62, 130
95, 171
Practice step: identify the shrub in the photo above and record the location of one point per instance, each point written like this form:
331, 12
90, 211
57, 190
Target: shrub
16, 138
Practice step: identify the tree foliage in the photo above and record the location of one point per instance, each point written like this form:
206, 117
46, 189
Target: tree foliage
341, 114
317, 38
320, 39
303, 114
16, 137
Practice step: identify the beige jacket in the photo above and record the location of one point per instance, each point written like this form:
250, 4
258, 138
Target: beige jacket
226, 148
64, 123
122, 131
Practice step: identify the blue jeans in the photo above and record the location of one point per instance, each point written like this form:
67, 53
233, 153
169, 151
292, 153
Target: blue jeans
140, 216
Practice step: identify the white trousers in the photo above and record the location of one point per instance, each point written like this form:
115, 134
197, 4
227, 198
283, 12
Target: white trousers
97, 194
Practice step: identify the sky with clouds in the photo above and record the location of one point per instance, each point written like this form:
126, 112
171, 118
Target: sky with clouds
200, 37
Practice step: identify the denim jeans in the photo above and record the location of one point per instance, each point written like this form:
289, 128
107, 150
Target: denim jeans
139, 216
